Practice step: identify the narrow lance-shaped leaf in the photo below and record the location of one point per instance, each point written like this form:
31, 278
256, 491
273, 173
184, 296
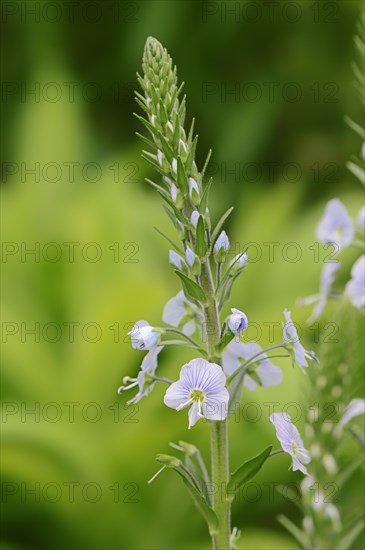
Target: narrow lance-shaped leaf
219, 225
191, 289
299, 536
246, 472
200, 246
198, 499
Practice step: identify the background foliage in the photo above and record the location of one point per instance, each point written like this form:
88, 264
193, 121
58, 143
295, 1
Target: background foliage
106, 450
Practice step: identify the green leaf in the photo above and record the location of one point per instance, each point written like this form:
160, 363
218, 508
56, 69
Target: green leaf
246, 472
169, 240
182, 180
146, 140
299, 536
219, 225
167, 151
203, 507
347, 541
204, 200
172, 206
191, 155
191, 289
191, 485
226, 339
200, 246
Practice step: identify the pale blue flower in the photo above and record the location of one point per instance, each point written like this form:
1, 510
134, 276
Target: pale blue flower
355, 288
193, 188
175, 259
175, 310
290, 441
221, 246
143, 336
327, 278
291, 339
356, 407
239, 260
360, 219
335, 225
202, 387
237, 322
144, 379
173, 191
194, 218
236, 353
190, 256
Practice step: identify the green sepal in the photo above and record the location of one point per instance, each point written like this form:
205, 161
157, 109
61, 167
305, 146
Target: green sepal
191, 289
246, 472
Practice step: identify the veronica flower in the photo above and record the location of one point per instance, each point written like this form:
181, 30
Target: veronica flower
144, 379
290, 441
222, 242
194, 218
260, 372
202, 387
356, 407
175, 259
143, 336
335, 225
194, 192
355, 288
190, 256
175, 310
327, 279
239, 260
237, 322
293, 345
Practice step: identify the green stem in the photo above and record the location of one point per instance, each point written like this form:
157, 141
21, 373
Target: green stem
219, 428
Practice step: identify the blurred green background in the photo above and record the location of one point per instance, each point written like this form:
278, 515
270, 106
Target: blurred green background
75, 469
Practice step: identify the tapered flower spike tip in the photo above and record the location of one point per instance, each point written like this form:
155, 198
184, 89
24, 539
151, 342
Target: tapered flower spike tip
153, 48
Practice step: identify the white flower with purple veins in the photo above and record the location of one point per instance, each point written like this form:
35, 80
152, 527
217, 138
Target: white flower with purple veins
175, 310
144, 379
143, 336
237, 322
290, 441
335, 225
291, 339
327, 278
175, 259
260, 372
356, 407
202, 388
355, 288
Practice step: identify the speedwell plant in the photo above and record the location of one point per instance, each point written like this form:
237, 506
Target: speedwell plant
210, 385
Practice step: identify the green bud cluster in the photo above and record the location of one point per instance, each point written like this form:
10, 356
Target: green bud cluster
172, 149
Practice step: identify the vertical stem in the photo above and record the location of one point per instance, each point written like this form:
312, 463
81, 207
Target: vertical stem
219, 429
